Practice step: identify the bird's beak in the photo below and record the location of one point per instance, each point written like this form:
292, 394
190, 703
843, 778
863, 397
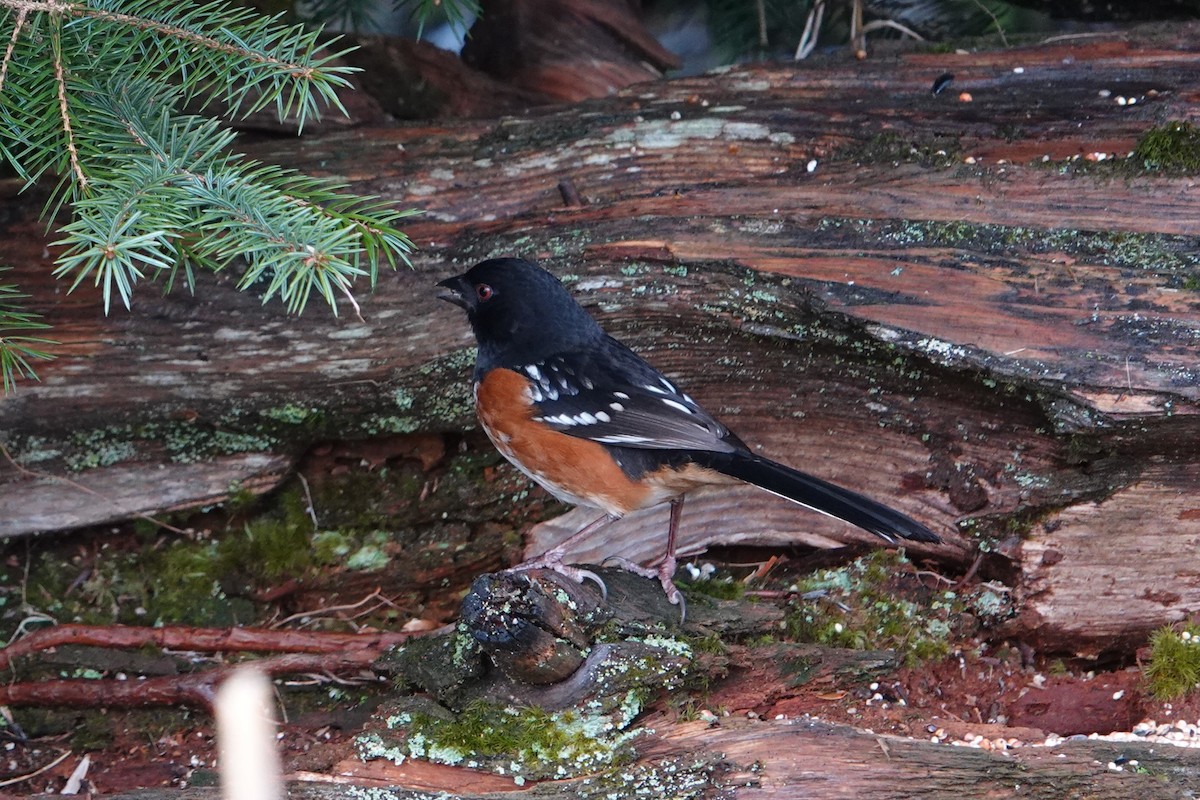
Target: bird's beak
452, 290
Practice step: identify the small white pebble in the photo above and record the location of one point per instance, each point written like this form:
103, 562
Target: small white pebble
1121, 100
1118, 695
1045, 158
969, 160
811, 166
1105, 93
675, 115
838, 627
1019, 70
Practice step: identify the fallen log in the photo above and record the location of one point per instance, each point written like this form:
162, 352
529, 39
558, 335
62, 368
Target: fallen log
927, 299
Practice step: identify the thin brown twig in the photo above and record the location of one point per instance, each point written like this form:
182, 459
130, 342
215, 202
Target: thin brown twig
23, 470
308, 498
195, 690
879, 24
974, 568
64, 111
22, 778
1066, 37
935, 575
328, 609
12, 45
995, 21
222, 640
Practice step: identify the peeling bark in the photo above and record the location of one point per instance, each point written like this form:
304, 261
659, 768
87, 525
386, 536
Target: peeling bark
887, 288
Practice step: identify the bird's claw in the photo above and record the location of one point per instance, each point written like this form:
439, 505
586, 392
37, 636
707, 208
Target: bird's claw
553, 561
663, 573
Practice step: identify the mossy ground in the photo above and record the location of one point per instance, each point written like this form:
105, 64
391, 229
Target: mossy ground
390, 519
1173, 669
880, 602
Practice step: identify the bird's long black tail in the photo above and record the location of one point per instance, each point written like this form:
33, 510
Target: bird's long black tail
820, 496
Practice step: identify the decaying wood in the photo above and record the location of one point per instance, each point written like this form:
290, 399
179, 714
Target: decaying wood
304, 652
731, 756
980, 338
182, 637
566, 50
527, 632
756, 760
195, 690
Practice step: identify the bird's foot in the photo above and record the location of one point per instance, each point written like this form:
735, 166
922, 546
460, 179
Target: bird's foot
553, 560
664, 573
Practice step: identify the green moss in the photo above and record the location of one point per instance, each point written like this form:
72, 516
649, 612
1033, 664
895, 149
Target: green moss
865, 605
1173, 257
526, 742
891, 147
1172, 147
1174, 666
717, 588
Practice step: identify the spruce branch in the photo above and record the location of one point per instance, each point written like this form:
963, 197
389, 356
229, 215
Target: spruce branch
60, 83
16, 348
92, 92
18, 24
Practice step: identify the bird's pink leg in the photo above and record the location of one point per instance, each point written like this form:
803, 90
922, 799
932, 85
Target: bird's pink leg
552, 559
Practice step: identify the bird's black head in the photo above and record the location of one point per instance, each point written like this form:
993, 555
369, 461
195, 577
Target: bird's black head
520, 312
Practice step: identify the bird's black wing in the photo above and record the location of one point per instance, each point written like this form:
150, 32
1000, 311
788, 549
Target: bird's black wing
610, 395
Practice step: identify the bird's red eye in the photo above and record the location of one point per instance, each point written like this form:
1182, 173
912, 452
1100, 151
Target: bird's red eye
483, 291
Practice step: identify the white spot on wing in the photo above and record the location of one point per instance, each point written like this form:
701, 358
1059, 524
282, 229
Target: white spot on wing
586, 418
602, 417
622, 438
534, 372
616, 406
679, 406
620, 395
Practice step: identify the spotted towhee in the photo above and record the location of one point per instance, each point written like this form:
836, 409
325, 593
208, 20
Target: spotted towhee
589, 420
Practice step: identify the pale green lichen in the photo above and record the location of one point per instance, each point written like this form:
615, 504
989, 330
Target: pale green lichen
291, 413
525, 743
